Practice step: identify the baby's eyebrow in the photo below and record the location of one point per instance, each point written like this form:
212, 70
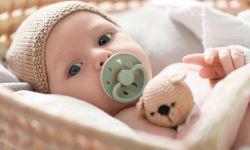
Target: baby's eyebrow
99, 25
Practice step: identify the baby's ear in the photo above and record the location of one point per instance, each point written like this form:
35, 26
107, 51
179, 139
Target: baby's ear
177, 78
140, 106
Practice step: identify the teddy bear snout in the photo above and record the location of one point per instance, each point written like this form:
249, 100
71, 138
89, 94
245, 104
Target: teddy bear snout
164, 110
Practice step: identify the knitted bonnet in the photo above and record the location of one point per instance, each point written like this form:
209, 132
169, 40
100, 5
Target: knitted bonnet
26, 55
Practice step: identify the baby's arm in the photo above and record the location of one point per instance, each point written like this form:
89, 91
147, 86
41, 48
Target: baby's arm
132, 118
218, 62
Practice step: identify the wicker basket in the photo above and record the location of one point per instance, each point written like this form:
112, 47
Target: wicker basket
230, 6
38, 130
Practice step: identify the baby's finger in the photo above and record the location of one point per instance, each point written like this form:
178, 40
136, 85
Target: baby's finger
212, 72
226, 60
197, 59
210, 54
238, 58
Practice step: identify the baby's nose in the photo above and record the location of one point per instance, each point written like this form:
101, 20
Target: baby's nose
101, 58
164, 110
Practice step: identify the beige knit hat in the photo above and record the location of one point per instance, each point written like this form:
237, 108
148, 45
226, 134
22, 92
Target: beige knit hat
26, 56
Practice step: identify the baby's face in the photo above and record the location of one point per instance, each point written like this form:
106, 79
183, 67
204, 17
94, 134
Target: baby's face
77, 48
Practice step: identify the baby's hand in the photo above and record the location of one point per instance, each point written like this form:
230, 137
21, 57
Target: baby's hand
217, 62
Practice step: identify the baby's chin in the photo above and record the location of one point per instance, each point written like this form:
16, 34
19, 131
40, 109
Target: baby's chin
109, 105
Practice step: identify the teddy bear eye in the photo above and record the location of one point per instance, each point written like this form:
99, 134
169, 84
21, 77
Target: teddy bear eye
173, 104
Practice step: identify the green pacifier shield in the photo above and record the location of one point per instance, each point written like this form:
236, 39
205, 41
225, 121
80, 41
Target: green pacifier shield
123, 77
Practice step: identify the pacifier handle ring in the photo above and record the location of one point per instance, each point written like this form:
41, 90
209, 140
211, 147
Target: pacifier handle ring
118, 85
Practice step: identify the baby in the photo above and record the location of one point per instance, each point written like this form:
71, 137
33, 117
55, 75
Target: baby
62, 49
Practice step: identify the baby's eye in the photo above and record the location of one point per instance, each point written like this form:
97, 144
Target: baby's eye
104, 39
74, 69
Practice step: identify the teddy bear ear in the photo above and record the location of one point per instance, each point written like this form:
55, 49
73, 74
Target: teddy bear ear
177, 78
140, 106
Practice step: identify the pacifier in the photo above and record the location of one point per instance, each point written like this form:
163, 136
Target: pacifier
123, 77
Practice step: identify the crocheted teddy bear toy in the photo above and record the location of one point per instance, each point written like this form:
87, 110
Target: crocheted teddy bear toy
166, 100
